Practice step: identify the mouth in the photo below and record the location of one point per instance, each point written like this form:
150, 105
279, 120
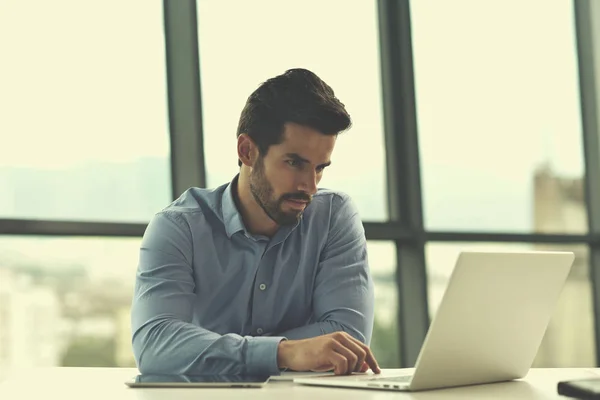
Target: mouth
297, 204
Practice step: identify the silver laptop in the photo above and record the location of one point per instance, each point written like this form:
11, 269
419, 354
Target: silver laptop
488, 327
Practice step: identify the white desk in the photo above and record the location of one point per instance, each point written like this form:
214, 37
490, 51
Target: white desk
108, 383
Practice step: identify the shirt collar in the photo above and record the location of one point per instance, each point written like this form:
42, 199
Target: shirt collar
231, 216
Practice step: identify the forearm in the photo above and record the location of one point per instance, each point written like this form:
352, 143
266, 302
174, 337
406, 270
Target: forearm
323, 328
169, 346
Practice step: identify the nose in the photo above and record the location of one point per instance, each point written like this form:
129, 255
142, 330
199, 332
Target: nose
309, 183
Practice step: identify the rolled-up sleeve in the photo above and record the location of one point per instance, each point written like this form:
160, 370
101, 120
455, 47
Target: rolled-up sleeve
343, 298
164, 338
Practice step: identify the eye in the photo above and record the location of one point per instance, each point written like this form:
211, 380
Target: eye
293, 163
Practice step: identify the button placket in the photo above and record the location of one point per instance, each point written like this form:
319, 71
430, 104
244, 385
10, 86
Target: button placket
261, 311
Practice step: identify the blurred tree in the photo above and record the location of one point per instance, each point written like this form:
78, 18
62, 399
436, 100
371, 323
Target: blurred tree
384, 344
88, 351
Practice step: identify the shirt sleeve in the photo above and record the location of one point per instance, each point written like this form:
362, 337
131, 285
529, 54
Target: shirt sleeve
165, 341
343, 298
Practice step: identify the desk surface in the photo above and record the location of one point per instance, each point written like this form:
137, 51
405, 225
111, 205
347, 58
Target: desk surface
108, 383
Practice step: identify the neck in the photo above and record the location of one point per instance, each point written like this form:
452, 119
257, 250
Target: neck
255, 219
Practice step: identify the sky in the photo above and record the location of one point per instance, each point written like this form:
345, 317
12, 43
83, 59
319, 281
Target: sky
497, 98
496, 83
82, 81
507, 66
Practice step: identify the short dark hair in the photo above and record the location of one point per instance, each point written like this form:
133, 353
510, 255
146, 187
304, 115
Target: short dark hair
297, 96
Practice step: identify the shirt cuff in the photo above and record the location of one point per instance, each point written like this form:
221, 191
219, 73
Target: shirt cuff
261, 356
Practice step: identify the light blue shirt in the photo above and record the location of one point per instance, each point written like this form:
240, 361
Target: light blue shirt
211, 298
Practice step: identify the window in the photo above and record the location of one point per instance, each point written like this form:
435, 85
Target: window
384, 344
240, 50
66, 301
84, 128
569, 339
499, 116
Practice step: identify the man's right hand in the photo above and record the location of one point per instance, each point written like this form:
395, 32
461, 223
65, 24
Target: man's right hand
338, 351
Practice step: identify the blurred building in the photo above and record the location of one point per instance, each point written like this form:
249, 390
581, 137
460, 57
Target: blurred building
4, 321
558, 203
30, 321
123, 349
559, 207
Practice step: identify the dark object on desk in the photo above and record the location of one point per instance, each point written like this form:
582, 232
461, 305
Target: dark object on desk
587, 389
198, 381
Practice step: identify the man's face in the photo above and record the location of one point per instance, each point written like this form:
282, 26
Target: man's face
284, 181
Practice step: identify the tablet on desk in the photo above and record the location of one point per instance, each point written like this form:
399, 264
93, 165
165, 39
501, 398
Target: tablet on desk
197, 381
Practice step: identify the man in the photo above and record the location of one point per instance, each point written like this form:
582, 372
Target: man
267, 272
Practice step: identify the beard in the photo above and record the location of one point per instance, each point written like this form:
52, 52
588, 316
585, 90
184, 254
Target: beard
263, 193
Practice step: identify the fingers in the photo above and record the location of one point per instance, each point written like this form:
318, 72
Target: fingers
369, 357
358, 351
338, 351
372, 362
364, 368
339, 362
348, 354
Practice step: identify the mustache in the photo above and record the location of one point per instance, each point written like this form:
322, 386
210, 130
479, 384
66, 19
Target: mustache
297, 196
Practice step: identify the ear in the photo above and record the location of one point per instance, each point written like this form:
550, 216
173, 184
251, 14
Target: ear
247, 150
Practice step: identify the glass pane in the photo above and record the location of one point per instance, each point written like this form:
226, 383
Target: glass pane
239, 51
382, 261
498, 115
84, 127
569, 339
66, 301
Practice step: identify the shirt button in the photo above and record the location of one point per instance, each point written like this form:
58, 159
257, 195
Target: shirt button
262, 286
259, 331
